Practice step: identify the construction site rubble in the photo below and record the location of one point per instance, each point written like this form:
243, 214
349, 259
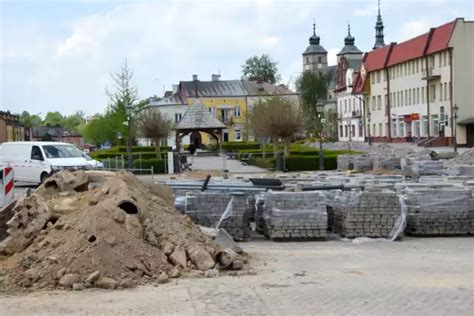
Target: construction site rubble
313, 206
101, 229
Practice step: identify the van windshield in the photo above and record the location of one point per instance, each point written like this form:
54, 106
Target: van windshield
61, 151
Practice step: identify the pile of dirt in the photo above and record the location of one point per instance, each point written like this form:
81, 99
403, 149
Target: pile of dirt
103, 229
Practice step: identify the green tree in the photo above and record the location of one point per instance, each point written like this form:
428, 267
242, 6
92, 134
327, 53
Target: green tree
106, 128
29, 121
278, 118
313, 89
151, 123
74, 121
53, 119
261, 68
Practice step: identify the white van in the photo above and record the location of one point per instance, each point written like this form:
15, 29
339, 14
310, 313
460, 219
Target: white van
35, 161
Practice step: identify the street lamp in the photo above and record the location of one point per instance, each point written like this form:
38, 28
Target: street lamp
319, 108
128, 112
368, 120
455, 117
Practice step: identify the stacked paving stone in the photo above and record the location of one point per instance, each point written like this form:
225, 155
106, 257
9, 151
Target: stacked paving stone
440, 211
295, 216
354, 162
368, 214
206, 209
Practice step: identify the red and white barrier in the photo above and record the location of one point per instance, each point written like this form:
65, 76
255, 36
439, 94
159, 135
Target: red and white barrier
7, 186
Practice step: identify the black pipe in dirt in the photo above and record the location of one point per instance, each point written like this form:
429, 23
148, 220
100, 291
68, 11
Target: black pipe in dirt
206, 182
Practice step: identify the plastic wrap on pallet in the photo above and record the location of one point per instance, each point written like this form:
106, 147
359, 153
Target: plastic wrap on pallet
294, 215
440, 211
226, 210
369, 214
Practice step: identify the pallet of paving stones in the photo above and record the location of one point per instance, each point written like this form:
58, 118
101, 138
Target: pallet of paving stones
207, 208
441, 211
294, 216
368, 214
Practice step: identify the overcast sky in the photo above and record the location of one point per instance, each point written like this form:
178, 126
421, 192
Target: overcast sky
58, 55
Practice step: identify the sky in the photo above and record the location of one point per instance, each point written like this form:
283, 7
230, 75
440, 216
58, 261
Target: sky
58, 55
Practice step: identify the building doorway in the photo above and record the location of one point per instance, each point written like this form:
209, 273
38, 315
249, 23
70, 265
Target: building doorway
470, 135
196, 139
226, 136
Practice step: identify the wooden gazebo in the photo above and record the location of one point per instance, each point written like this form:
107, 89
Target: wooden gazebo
196, 119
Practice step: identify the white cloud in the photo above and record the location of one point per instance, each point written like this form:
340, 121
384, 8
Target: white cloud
414, 28
370, 10
332, 58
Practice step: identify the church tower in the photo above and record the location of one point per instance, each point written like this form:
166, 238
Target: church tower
315, 57
379, 38
350, 50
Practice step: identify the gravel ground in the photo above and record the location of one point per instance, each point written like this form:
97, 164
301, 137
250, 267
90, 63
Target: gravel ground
422, 276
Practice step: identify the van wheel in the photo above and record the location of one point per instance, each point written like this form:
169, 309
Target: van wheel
43, 177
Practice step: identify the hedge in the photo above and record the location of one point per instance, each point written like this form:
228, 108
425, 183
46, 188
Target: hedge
159, 165
266, 163
101, 155
237, 146
123, 149
306, 163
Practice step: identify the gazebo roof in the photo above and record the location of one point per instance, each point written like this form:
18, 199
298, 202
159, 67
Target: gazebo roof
198, 117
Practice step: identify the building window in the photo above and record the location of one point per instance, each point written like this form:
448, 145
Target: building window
380, 129
360, 129
177, 117
238, 135
441, 92
401, 98
409, 96
386, 104
450, 91
417, 95
422, 95
345, 130
406, 97
433, 93
440, 61
320, 60
398, 98
341, 131
374, 105
379, 102
374, 126
416, 65
237, 111
378, 76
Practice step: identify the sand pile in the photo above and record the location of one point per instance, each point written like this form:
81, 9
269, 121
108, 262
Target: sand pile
102, 229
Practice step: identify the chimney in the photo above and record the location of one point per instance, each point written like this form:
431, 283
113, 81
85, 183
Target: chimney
215, 77
195, 77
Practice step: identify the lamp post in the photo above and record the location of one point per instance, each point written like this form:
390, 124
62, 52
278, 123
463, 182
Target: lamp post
128, 112
368, 120
319, 108
455, 117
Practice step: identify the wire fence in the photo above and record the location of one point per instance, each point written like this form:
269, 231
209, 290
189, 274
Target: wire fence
119, 163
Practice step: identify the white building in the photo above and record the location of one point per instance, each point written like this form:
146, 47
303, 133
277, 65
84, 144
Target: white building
349, 106
411, 88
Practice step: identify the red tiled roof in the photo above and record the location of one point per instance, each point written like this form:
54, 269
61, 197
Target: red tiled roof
376, 59
408, 50
440, 38
415, 47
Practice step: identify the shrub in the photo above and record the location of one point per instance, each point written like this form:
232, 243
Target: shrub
136, 155
123, 149
266, 163
159, 165
306, 163
237, 146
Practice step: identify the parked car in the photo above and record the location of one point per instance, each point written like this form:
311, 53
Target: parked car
94, 164
35, 161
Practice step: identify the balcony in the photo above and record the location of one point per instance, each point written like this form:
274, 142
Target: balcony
431, 74
356, 114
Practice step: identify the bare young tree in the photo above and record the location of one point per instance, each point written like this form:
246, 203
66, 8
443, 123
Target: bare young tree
153, 124
278, 118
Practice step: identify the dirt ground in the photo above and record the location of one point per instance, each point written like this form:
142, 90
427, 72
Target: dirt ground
417, 276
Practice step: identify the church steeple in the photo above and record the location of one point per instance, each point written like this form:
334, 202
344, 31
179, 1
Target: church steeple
349, 40
379, 37
314, 39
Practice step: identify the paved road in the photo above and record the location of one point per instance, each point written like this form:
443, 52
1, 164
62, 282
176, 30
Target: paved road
221, 163
424, 276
